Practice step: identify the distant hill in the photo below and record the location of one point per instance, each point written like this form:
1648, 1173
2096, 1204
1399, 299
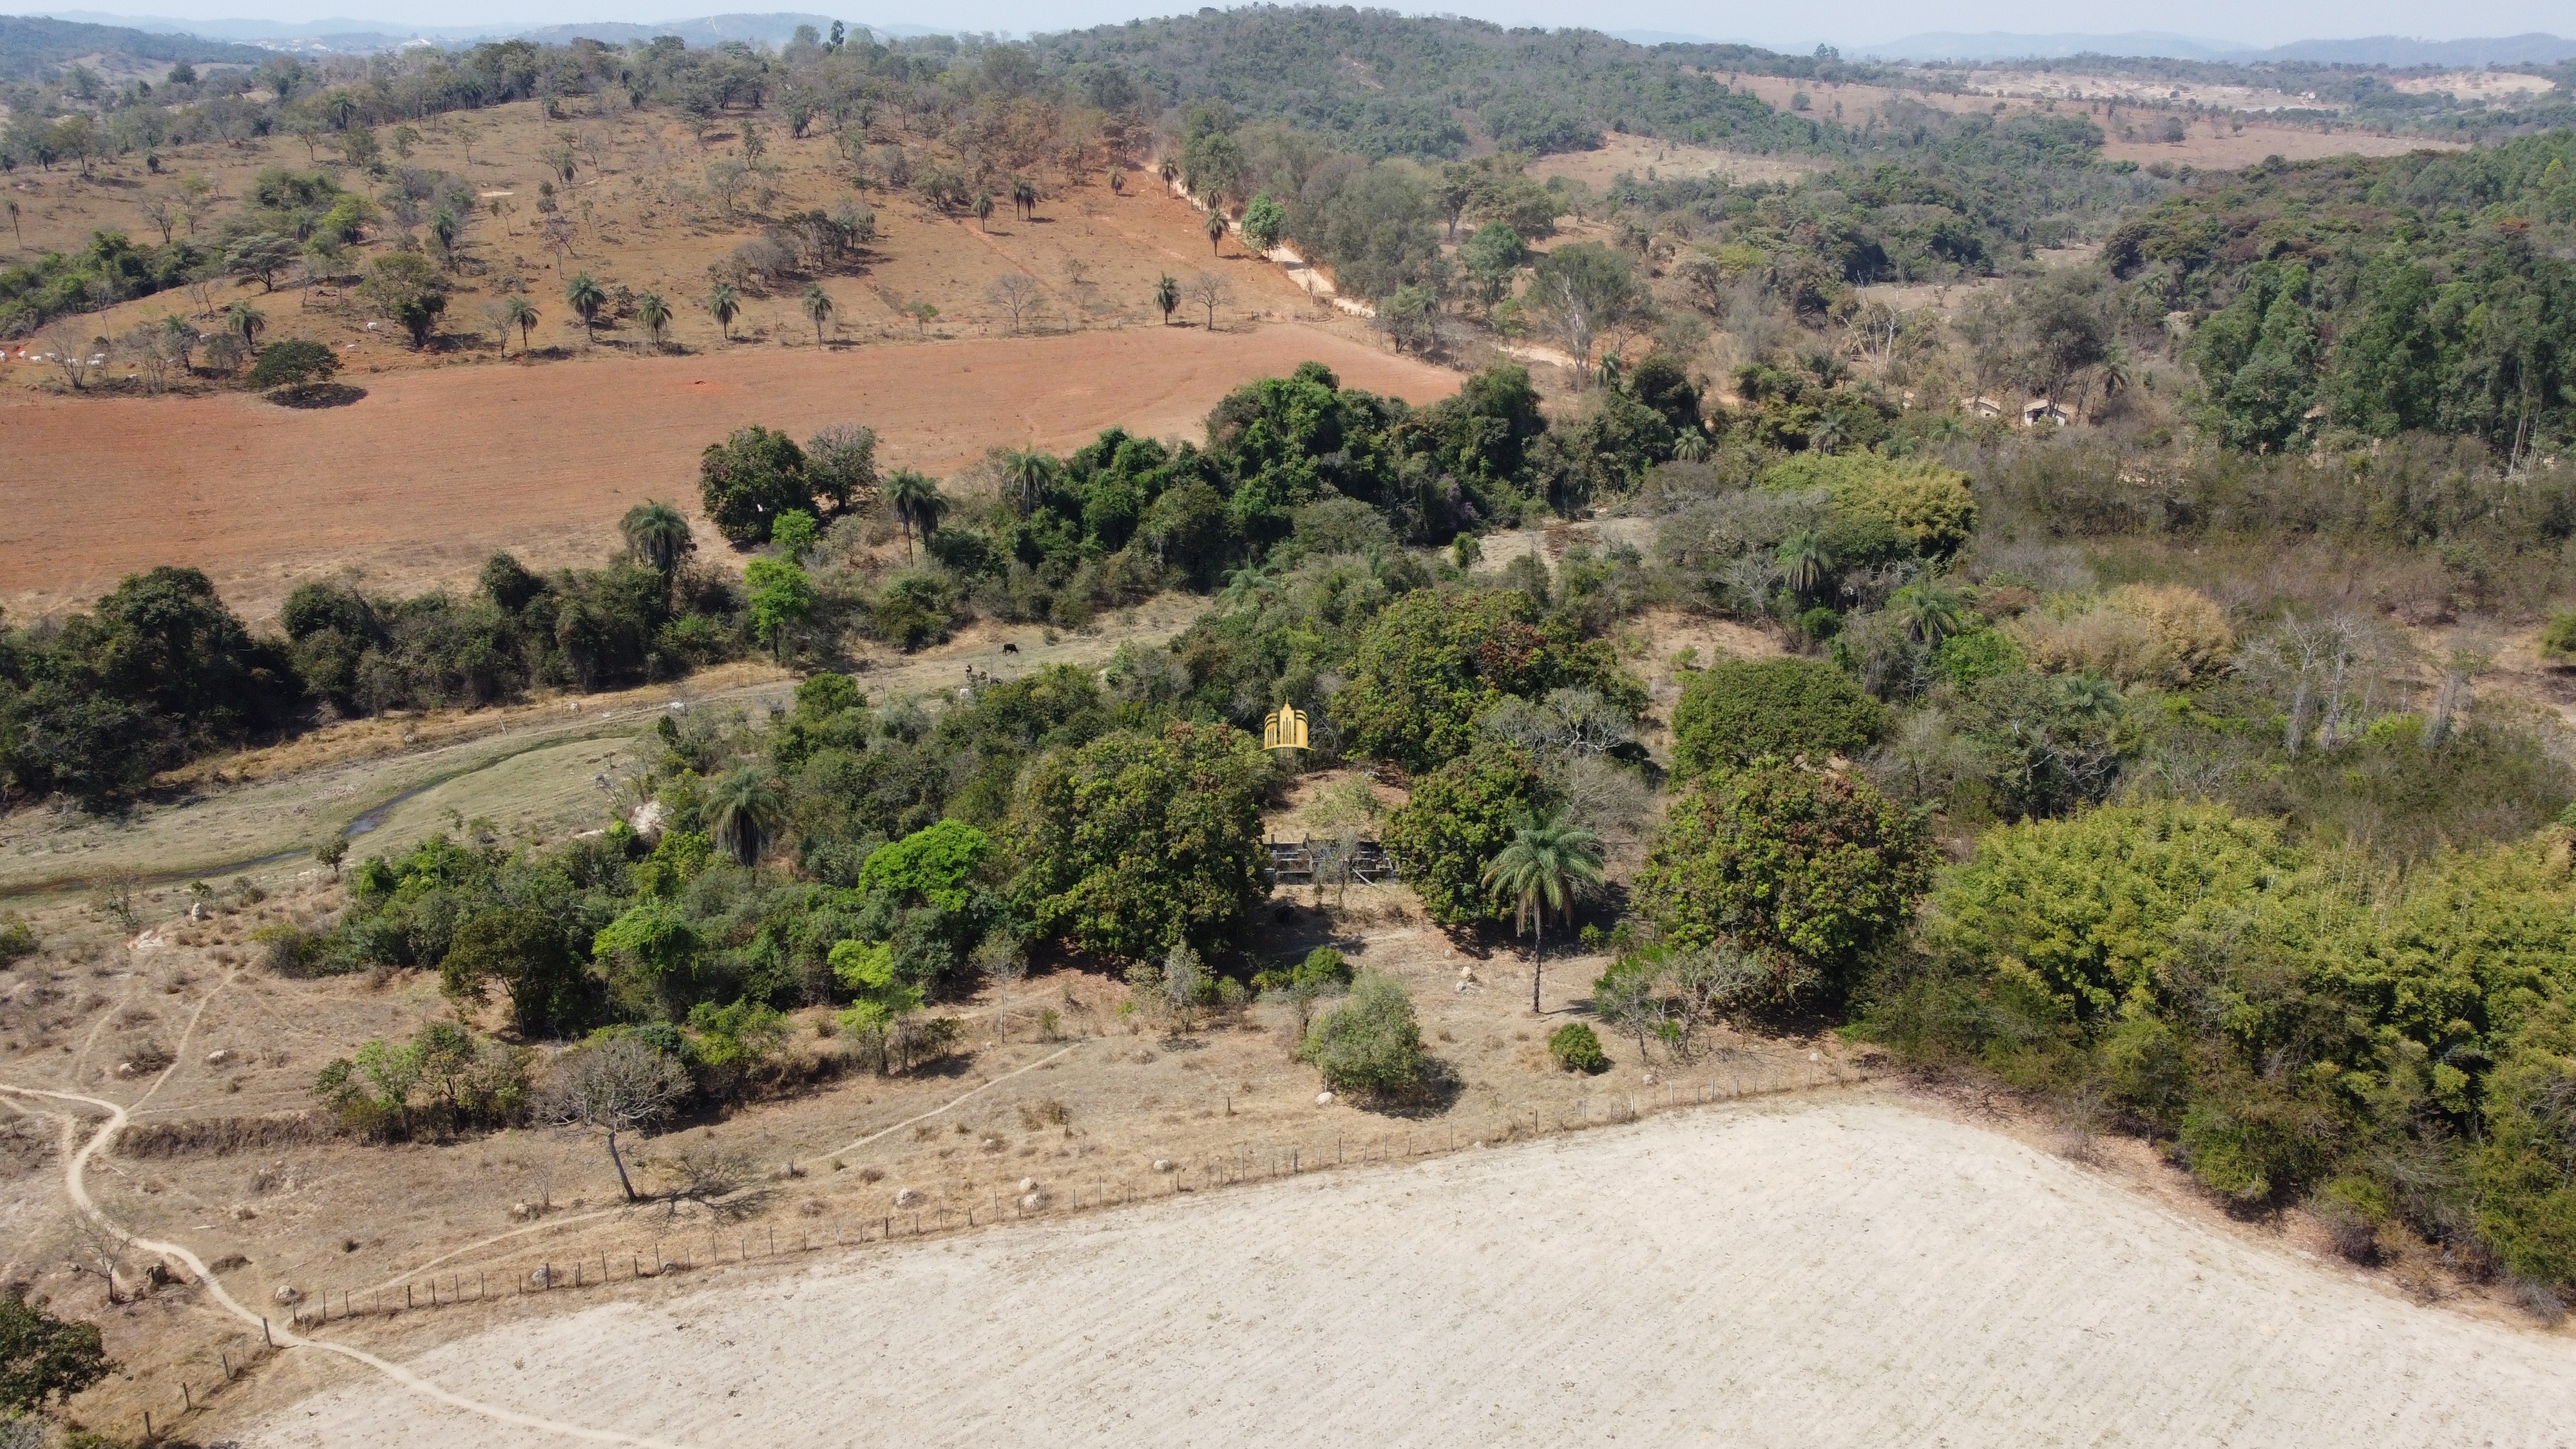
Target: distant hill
2388, 50
343, 34
28, 44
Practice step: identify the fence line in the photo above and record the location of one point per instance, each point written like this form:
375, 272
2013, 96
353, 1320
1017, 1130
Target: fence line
688, 1250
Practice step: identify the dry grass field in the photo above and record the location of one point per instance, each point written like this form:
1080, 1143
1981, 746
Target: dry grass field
436, 468
1833, 1270
2211, 143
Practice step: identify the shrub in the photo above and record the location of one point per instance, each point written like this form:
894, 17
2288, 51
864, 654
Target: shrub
1745, 709
2558, 638
749, 479
1435, 660
1813, 867
1371, 1043
1577, 1048
17, 938
294, 362
1926, 506
2160, 634
45, 1360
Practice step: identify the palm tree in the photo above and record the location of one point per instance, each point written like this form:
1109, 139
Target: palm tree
1931, 612
984, 210
245, 321
916, 501
1029, 470
586, 297
1167, 295
724, 304
1024, 197
1215, 231
818, 307
744, 808
1828, 434
1548, 860
522, 314
1804, 563
658, 534
655, 314
2089, 694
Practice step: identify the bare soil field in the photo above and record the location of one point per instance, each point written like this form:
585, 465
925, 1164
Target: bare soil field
418, 483
1827, 1271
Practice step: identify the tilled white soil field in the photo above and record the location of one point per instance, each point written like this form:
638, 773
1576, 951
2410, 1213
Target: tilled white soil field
1842, 1270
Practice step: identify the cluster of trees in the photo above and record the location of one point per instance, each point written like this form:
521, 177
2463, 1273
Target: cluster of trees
2374, 297
160, 671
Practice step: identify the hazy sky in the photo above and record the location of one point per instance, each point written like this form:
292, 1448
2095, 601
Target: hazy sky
1853, 22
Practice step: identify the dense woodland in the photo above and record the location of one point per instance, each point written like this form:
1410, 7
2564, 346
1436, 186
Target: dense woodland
2147, 752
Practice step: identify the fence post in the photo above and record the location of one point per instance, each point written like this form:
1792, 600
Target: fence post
263, 1332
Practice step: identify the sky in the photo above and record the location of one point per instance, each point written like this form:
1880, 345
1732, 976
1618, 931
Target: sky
1847, 22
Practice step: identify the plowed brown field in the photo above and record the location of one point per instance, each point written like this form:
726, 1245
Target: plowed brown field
433, 470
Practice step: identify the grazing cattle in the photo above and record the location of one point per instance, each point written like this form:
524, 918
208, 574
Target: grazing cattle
1010, 648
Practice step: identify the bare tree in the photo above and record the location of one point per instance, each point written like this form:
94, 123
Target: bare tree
1015, 293
98, 1248
68, 346
1005, 965
1208, 289
617, 1086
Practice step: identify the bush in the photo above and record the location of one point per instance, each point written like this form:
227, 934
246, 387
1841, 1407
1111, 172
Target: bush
1577, 1048
1813, 868
1745, 709
1436, 659
45, 1360
2160, 634
17, 938
294, 362
1925, 507
2558, 638
1371, 1043
749, 479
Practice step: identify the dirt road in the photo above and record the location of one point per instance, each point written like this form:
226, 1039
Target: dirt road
1843, 1270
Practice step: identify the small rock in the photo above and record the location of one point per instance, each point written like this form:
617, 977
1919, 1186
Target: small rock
242, 1212
1033, 1201
541, 1277
125, 1069
1650, 1079
1323, 1099
1162, 1164
1814, 1056
906, 1198
286, 1294
520, 1210
1028, 1184
218, 1057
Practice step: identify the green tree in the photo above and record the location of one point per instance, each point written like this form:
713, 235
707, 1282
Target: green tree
1167, 295
1458, 818
46, 1360
408, 290
817, 305
724, 304
517, 311
1265, 222
1743, 709
750, 478
586, 297
657, 535
1134, 840
744, 808
2258, 361
1029, 471
1547, 861
1493, 256
983, 210
937, 865
524, 952
245, 322
655, 314
293, 362
917, 504
1436, 659
1585, 290
1216, 231
1372, 1043
782, 600
1813, 870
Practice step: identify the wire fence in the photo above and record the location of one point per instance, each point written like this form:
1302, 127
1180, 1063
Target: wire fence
682, 1249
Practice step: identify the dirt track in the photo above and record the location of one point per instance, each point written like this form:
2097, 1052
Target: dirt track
1838, 1271
435, 469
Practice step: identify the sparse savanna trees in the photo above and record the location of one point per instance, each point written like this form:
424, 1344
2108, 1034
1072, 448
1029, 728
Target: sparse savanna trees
914, 496
522, 314
1167, 295
817, 305
584, 294
1216, 232
655, 314
724, 304
1548, 860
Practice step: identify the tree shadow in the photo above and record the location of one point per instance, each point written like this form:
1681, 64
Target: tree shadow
317, 395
